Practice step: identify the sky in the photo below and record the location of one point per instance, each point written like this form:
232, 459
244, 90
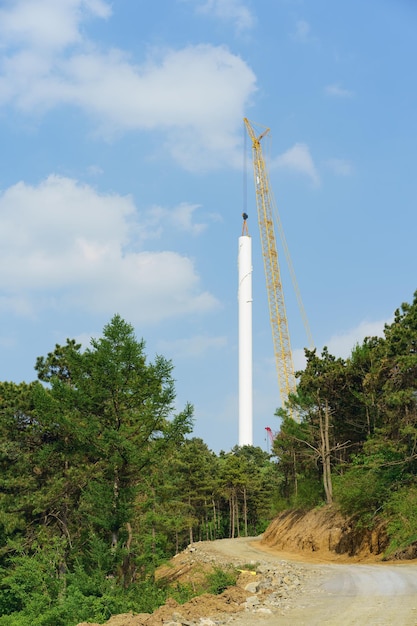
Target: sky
125, 168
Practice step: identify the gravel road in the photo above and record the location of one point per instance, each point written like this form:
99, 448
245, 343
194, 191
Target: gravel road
334, 594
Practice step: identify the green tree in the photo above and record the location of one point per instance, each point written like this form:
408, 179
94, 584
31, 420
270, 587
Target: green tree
77, 451
322, 401
197, 470
293, 447
247, 484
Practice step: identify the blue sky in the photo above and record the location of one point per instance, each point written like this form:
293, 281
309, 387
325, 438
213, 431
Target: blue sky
122, 186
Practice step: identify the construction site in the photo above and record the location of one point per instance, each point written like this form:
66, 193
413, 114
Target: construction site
269, 222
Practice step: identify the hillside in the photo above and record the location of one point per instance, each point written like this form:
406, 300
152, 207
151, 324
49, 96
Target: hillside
295, 542
101, 482
326, 534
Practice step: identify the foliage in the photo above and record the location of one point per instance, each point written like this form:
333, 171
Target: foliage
182, 592
82, 597
100, 482
220, 579
357, 438
361, 493
401, 509
74, 454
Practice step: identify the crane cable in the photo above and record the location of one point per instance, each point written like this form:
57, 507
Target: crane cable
283, 242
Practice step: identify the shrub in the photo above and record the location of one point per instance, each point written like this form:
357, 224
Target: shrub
220, 579
401, 513
361, 493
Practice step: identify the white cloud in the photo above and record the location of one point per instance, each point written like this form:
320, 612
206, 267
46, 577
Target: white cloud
341, 345
337, 91
83, 338
195, 96
228, 10
340, 167
298, 159
47, 24
299, 359
180, 217
266, 390
194, 347
63, 244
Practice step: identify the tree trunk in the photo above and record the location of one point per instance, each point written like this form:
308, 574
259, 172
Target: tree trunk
214, 519
295, 474
191, 525
324, 423
115, 532
232, 516
237, 515
245, 511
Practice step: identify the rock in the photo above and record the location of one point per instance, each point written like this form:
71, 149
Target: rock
177, 617
263, 611
178, 620
267, 588
252, 587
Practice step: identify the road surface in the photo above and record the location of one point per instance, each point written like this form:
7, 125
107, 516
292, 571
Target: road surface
337, 594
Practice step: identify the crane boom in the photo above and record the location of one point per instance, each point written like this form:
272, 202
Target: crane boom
277, 311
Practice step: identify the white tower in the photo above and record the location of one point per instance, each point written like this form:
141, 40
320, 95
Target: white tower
245, 337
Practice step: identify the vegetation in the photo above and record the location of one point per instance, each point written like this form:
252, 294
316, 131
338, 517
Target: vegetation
99, 484
220, 579
356, 443
100, 481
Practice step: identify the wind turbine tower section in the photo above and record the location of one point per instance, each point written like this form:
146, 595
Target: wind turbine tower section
245, 337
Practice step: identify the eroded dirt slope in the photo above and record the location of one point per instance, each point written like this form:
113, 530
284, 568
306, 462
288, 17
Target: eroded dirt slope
326, 534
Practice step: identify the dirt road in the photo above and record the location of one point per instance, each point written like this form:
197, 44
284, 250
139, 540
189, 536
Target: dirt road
336, 594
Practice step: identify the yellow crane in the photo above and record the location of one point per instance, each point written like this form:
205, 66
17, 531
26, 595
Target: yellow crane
266, 210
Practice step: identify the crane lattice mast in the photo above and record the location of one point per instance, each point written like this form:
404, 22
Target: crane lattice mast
277, 311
